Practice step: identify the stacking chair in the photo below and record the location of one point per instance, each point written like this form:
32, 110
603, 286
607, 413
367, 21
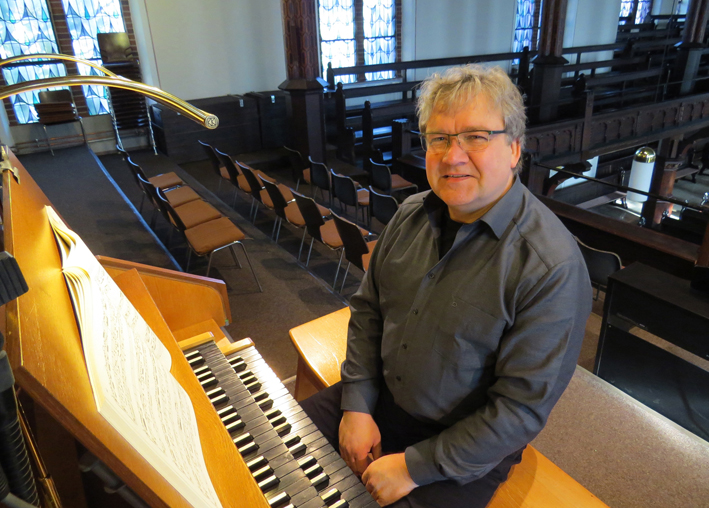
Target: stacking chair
191, 214
209, 237
382, 206
357, 249
57, 107
176, 195
287, 210
323, 231
163, 181
258, 192
345, 190
236, 178
388, 183
217, 164
320, 179
601, 265
299, 166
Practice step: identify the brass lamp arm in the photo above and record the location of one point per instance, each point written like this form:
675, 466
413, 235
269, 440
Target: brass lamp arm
208, 120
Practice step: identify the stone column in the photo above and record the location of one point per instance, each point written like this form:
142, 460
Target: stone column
549, 62
304, 84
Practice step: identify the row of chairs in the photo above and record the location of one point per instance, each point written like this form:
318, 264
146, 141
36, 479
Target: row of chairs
339, 234
327, 180
203, 227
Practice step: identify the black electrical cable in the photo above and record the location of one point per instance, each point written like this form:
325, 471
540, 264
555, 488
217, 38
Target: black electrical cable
14, 460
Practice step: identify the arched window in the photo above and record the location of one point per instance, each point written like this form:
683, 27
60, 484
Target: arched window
359, 32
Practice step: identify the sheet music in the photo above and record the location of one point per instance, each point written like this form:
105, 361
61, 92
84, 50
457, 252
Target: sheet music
129, 370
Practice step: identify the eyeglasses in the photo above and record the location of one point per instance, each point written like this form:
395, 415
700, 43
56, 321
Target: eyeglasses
471, 141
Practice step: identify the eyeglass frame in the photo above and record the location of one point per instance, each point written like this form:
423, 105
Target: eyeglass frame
449, 136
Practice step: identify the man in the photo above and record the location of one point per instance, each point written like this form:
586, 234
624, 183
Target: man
468, 324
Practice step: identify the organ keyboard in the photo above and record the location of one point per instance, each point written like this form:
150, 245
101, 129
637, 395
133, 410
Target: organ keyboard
290, 460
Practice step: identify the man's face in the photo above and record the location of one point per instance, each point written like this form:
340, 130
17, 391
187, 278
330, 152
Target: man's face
469, 181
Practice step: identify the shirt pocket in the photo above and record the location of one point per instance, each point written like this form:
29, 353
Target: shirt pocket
467, 337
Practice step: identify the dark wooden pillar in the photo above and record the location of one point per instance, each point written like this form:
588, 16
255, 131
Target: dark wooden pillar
304, 84
549, 62
690, 49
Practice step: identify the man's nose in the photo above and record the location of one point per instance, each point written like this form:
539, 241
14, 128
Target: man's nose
455, 153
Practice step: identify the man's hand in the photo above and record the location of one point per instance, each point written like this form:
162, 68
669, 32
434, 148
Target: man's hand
359, 436
387, 479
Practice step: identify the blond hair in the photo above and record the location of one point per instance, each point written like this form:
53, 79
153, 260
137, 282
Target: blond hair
459, 85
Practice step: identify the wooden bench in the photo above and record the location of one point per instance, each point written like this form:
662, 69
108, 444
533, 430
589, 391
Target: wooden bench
536, 482
362, 127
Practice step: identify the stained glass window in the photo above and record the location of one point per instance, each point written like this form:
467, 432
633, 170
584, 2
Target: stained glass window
86, 19
337, 35
26, 28
379, 36
644, 7
639, 9
345, 24
626, 7
526, 25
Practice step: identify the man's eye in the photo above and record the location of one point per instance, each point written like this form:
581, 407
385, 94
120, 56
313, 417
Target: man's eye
473, 137
435, 140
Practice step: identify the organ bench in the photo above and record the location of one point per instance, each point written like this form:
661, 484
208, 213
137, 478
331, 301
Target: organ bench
536, 482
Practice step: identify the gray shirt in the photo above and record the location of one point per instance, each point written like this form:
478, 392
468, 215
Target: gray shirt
483, 340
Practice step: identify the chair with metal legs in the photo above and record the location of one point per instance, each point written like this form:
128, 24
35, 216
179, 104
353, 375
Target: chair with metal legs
320, 179
388, 183
299, 166
323, 231
216, 163
346, 191
357, 249
382, 206
57, 107
209, 237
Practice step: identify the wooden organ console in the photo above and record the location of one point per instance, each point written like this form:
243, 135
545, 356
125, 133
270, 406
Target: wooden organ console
260, 449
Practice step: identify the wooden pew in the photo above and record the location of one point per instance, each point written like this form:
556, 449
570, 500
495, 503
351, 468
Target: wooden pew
358, 126
536, 482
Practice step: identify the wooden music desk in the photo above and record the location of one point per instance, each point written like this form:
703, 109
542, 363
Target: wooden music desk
536, 482
45, 351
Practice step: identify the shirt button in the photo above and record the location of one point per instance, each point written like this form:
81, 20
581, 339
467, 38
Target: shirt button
398, 378
405, 346
416, 311
430, 276
454, 304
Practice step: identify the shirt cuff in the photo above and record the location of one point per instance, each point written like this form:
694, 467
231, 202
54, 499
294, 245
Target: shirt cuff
360, 396
420, 463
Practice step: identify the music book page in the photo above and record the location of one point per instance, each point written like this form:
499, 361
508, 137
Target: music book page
129, 371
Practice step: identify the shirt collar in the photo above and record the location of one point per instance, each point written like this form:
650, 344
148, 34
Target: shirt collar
497, 218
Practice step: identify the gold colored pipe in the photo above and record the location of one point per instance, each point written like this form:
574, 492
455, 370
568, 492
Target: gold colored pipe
55, 56
112, 80
208, 120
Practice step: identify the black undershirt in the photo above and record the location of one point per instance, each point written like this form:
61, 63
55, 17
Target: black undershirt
449, 229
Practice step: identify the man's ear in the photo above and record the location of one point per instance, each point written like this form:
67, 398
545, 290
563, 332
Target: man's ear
516, 153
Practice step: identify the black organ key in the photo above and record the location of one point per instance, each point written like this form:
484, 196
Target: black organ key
257, 463
263, 473
268, 483
279, 501
330, 496
248, 449
234, 426
208, 382
238, 365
